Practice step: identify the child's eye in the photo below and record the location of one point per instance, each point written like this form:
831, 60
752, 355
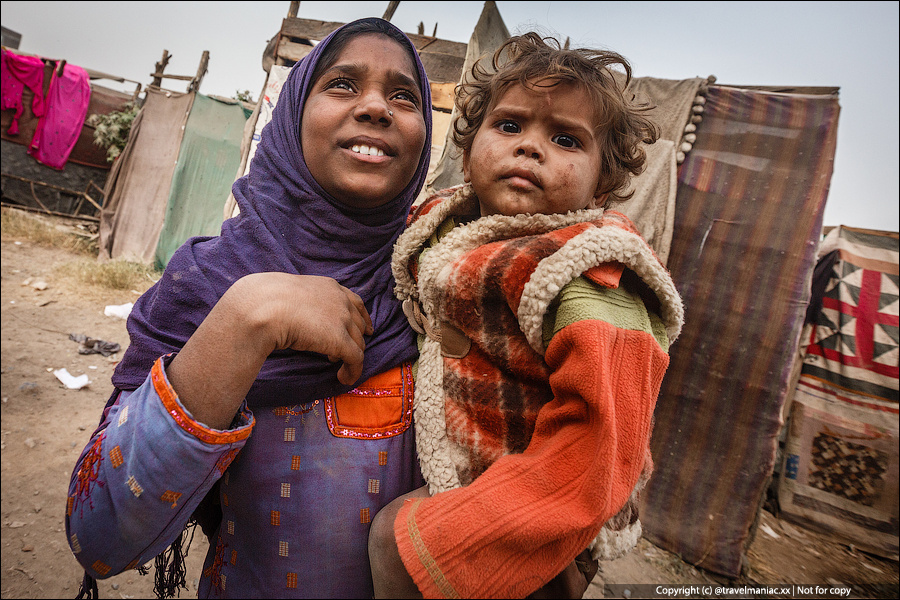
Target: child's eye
565, 140
508, 127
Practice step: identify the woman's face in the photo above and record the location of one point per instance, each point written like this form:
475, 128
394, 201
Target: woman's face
363, 129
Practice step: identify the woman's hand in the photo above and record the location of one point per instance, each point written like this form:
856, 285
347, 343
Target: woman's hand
259, 314
313, 314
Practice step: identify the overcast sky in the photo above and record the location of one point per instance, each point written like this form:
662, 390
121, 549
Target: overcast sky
851, 45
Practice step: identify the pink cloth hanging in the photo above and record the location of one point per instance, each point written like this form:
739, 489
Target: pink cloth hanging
67, 105
17, 72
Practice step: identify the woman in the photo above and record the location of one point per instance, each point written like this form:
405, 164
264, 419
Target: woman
265, 329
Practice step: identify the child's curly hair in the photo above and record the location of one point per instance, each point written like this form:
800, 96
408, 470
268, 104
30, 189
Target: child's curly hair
534, 61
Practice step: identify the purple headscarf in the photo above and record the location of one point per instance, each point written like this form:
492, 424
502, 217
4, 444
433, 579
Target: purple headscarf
288, 224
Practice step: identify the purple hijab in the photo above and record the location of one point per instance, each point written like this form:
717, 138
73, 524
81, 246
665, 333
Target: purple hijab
288, 224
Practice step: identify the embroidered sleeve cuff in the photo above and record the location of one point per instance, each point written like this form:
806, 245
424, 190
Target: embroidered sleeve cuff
241, 426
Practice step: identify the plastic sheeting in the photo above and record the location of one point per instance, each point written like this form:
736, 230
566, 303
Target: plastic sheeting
210, 154
137, 189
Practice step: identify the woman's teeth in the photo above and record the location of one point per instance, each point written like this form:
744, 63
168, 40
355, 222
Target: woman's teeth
371, 151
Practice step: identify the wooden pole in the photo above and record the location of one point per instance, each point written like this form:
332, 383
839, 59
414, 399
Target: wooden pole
391, 9
160, 69
194, 86
293, 10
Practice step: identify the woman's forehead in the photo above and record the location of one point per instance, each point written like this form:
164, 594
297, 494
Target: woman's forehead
359, 51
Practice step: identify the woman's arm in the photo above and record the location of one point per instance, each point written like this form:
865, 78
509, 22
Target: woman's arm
142, 475
161, 448
259, 314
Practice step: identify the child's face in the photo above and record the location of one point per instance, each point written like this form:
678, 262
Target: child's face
536, 152
363, 131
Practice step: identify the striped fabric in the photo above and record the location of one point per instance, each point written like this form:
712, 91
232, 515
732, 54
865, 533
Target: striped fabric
748, 218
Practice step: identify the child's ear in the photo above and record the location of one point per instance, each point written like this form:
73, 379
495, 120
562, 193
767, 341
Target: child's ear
599, 200
466, 172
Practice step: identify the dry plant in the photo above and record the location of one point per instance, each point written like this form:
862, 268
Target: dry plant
113, 275
20, 225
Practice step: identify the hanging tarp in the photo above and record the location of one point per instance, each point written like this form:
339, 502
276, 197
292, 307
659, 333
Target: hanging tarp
652, 207
841, 449
138, 187
489, 34
750, 200
209, 155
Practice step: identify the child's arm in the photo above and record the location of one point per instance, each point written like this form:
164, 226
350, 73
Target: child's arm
531, 513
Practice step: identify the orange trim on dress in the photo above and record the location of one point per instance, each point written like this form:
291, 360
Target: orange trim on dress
185, 421
397, 384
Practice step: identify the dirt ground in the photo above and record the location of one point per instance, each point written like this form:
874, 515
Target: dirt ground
45, 426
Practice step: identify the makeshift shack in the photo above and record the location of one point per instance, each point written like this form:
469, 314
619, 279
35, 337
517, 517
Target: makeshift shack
174, 173
732, 201
72, 184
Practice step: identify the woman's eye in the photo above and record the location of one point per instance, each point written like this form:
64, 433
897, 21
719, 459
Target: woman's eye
340, 83
508, 127
565, 140
406, 96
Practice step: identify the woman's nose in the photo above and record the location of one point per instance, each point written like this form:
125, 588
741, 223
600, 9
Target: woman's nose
375, 108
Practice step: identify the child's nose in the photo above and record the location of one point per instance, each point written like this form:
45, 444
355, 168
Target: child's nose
530, 147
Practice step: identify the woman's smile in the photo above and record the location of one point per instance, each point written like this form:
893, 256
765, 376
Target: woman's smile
363, 129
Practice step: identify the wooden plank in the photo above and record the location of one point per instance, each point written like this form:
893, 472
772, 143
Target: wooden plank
391, 9
292, 50
309, 29
442, 95
54, 213
159, 68
787, 89
194, 86
438, 45
443, 59
164, 76
442, 68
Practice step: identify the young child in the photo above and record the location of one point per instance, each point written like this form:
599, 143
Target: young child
545, 322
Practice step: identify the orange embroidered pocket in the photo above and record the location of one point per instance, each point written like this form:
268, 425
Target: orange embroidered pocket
379, 408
